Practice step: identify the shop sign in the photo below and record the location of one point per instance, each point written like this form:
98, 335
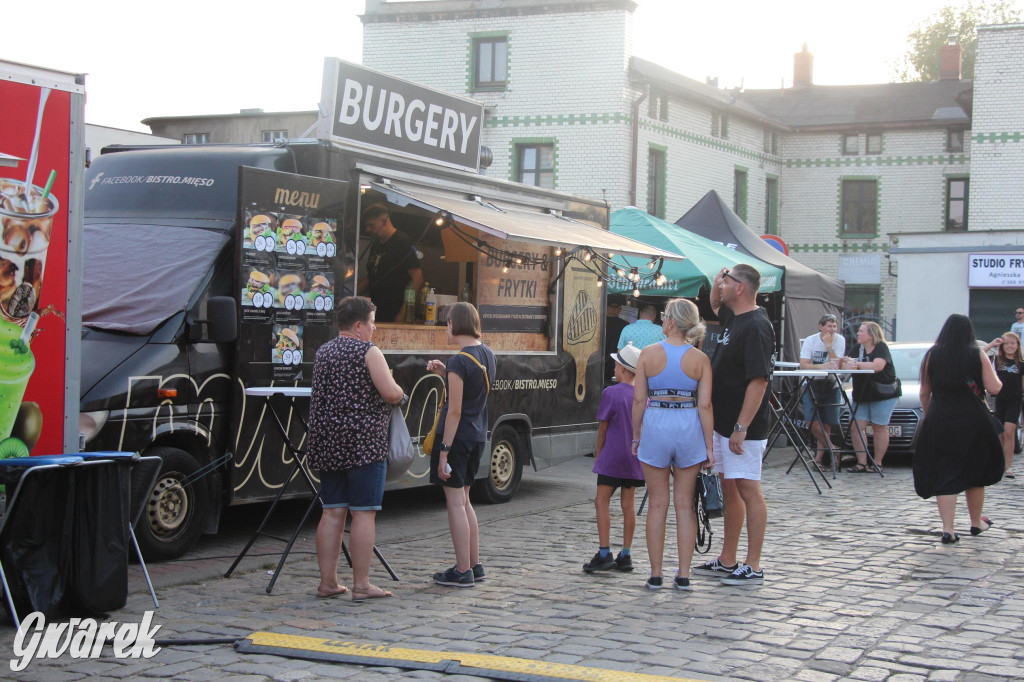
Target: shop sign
995, 270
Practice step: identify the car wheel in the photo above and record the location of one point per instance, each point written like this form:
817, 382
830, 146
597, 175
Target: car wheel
175, 508
504, 468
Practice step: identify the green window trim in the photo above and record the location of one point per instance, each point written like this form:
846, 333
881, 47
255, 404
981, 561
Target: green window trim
471, 61
840, 232
740, 191
514, 147
657, 153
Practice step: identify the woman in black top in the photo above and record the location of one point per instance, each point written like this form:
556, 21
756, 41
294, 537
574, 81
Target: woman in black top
957, 448
1008, 363
461, 437
874, 355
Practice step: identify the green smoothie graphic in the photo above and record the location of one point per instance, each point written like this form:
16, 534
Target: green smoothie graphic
16, 365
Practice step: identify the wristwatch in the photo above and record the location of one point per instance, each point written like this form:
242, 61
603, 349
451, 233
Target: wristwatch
445, 447
739, 428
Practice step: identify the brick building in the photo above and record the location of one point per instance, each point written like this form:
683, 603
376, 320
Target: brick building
839, 172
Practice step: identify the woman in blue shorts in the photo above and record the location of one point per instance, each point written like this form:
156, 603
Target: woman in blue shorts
672, 432
349, 416
874, 355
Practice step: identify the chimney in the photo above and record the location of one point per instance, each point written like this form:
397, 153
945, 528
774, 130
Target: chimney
950, 58
803, 67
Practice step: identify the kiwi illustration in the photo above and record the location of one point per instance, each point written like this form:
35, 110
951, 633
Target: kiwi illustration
28, 425
12, 447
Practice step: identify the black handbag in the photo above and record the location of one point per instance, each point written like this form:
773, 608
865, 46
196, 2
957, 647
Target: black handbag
886, 390
707, 502
993, 419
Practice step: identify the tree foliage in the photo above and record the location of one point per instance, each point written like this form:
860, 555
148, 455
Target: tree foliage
921, 61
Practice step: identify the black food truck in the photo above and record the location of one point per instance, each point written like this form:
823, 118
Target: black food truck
212, 269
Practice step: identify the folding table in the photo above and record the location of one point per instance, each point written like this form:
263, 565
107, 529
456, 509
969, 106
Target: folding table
278, 397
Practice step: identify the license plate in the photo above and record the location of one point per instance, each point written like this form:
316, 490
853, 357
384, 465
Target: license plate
895, 431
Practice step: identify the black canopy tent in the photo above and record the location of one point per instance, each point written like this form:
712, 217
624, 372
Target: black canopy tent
807, 293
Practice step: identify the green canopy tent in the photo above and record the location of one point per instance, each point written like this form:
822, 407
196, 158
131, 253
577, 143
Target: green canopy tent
703, 258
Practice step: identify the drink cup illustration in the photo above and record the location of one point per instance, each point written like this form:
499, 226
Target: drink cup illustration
16, 366
27, 222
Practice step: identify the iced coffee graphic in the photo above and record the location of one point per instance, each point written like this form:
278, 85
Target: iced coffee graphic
321, 240
257, 291
27, 220
288, 345
291, 238
290, 291
321, 293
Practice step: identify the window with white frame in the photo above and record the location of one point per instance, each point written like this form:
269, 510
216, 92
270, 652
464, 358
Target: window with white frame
195, 138
275, 135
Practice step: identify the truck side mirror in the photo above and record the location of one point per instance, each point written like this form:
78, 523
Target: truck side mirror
222, 319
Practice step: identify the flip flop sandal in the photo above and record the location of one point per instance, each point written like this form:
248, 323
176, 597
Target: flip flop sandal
858, 469
373, 593
332, 595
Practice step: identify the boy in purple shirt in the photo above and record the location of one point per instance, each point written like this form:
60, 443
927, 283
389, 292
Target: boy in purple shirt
615, 465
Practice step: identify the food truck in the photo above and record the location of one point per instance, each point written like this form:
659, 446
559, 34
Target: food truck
212, 269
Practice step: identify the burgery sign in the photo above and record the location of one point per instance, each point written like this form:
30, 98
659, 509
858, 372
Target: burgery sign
368, 108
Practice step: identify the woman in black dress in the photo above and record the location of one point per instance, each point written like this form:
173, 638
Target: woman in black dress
957, 449
1009, 365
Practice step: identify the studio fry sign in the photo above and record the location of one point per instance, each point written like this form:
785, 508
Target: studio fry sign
369, 108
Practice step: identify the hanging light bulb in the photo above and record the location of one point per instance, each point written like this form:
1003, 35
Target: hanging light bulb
439, 220
662, 279
519, 261
621, 272
636, 293
558, 251
600, 283
587, 256
505, 269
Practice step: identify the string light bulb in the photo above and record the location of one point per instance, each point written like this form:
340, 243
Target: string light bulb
621, 273
505, 268
600, 282
558, 251
636, 293
587, 256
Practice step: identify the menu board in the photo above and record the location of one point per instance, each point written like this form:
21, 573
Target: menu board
293, 265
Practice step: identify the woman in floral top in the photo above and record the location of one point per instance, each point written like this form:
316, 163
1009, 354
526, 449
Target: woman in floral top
349, 415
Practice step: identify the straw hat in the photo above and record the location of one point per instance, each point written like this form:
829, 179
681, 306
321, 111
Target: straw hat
627, 356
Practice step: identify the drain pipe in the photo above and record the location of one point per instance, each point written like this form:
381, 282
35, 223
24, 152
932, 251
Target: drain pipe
636, 142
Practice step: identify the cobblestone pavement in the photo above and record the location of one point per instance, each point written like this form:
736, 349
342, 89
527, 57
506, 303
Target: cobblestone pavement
857, 586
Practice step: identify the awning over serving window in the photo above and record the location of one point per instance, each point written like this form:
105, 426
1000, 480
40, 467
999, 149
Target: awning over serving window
520, 223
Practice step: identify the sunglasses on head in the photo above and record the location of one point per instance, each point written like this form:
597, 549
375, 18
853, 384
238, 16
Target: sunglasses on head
727, 274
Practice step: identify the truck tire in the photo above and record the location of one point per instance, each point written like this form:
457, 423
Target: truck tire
504, 468
173, 517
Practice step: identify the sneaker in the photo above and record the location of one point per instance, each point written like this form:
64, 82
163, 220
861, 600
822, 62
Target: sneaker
453, 578
714, 568
624, 563
599, 563
478, 572
653, 583
744, 575
682, 583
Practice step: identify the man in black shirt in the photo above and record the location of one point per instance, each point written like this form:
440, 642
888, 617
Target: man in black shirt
613, 328
742, 367
392, 263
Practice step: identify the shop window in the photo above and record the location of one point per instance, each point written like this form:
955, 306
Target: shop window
771, 206
874, 143
195, 138
956, 204
535, 164
275, 135
656, 182
851, 144
861, 300
859, 208
739, 193
954, 140
490, 63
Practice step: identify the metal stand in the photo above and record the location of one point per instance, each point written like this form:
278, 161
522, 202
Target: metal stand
299, 472
784, 424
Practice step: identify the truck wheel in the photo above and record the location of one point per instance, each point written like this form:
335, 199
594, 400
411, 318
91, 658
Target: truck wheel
174, 514
504, 468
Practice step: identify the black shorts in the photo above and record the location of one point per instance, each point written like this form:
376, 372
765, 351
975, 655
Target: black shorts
620, 482
1008, 410
464, 459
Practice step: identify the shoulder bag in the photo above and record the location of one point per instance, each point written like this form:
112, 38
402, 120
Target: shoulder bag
881, 390
428, 441
993, 420
707, 503
401, 451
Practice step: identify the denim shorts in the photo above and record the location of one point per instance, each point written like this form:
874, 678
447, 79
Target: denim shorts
828, 401
877, 412
359, 489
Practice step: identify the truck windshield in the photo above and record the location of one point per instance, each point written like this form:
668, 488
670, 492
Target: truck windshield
135, 276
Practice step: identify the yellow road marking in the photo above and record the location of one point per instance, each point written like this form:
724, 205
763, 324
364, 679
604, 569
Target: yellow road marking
466, 660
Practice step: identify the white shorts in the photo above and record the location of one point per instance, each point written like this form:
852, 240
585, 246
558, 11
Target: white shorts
747, 465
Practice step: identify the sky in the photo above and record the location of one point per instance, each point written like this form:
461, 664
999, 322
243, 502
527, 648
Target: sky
213, 57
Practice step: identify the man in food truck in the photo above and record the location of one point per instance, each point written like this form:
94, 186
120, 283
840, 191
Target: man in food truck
391, 264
